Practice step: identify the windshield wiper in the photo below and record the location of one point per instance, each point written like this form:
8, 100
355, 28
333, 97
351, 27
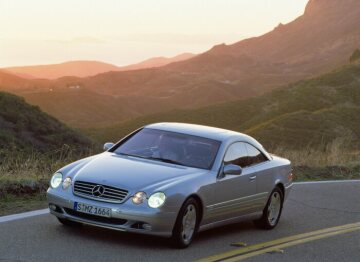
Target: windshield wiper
166, 160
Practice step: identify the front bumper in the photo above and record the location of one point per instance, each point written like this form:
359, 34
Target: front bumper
124, 217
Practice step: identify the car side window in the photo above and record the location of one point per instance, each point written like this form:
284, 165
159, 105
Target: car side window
255, 156
237, 154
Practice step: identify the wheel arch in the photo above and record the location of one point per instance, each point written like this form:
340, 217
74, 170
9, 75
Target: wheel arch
200, 202
198, 199
282, 188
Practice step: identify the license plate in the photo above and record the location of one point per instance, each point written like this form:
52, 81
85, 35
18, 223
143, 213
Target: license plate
93, 210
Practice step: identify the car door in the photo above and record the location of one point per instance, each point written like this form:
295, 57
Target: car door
261, 174
233, 194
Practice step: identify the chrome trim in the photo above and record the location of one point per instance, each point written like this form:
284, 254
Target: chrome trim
246, 217
237, 199
98, 198
110, 194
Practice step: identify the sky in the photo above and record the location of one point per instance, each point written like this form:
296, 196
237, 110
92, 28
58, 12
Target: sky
122, 32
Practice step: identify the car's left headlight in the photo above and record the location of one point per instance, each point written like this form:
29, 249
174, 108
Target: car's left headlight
156, 200
56, 180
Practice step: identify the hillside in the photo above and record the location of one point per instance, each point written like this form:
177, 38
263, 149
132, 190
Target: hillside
79, 107
321, 39
317, 113
12, 82
316, 42
25, 128
157, 62
304, 48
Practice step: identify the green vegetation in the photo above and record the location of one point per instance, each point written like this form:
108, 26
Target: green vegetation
32, 146
309, 114
26, 128
11, 204
355, 56
315, 123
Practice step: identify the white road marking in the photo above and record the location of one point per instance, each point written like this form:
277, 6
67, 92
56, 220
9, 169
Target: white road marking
46, 211
325, 182
24, 215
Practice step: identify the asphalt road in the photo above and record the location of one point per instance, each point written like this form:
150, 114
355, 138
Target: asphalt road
310, 207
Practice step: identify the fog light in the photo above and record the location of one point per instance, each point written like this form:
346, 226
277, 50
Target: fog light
52, 207
146, 226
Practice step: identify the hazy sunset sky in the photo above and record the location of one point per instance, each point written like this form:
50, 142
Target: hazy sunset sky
128, 31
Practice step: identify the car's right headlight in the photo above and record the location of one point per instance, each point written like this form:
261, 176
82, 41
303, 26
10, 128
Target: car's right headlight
156, 200
56, 180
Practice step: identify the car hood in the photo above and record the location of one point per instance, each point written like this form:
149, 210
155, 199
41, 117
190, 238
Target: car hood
132, 173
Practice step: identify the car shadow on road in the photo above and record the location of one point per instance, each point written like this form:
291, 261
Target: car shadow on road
132, 240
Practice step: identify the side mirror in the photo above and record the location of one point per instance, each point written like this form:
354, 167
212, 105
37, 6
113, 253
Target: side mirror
231, 169
108, 145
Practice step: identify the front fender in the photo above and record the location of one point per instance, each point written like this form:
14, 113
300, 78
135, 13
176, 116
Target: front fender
199, 185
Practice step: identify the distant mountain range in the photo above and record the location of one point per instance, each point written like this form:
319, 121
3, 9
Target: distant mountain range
316, 42
54, 71
318, 113
157, 62
87, 68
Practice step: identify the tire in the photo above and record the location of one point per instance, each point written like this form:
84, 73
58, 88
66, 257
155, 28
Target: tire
272, 211
182, 236
69, 223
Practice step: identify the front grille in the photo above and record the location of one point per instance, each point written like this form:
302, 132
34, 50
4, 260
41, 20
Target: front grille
106, 220
110, 194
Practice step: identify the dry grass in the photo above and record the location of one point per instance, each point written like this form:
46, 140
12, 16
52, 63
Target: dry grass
328, 162
35, 165
333, 156
22, 174
24, 178
29, 173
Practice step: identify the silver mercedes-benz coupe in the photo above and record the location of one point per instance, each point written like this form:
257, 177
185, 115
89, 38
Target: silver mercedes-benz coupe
173, 180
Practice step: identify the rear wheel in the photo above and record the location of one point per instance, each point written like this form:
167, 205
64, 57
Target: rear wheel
272, 211
187, 223
69, 223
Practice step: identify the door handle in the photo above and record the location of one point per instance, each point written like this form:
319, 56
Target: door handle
252, 178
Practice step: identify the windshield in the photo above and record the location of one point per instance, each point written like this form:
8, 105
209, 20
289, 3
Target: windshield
171, 147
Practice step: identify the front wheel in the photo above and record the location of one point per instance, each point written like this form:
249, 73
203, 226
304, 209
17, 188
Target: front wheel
186, 224
272, 211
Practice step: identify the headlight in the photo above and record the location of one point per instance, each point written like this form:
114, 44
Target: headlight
66, 183
138, 198
56, 180
156, 200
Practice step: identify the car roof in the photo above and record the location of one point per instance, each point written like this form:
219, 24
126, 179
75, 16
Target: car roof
197, 130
